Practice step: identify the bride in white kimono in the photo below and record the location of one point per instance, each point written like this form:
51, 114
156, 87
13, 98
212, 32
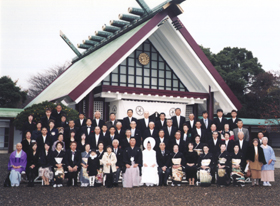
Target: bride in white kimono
149, 168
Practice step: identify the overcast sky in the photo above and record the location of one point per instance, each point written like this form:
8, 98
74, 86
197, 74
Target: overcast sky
30, 40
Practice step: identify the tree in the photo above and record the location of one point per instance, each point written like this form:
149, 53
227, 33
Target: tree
38, 111
40, 81
238, 67
11, 95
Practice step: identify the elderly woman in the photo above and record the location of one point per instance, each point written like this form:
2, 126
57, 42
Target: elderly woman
109, 161
226, 130
256, 159
267, 174
100, 175
223, 167
17, 164
45, 161
177, 162
84, 177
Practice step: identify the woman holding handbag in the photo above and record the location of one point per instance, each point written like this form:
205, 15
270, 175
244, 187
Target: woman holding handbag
109, 161
255, 158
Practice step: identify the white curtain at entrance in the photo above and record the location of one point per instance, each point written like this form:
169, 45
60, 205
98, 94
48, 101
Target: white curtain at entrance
120, 108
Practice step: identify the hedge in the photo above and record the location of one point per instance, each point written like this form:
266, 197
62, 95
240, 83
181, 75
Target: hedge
38, 110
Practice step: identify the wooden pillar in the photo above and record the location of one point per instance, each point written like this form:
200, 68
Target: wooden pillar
210, 104
11, 136
90, 105
106, 111
195, 111
80, 106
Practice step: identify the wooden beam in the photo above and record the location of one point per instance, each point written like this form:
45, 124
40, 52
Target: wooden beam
144, 6
127, 17
103, 33
110, 28
96, 38
210, 104
118, 23
136, 11
83, 46
90, 105
69, 43
90, 42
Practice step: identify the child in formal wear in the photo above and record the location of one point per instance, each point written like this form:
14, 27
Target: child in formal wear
93, 166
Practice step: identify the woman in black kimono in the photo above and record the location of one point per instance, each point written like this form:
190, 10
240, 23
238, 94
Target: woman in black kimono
223, 167
198, 146
100, 175
205, 166
238, 165
177, 166
58, 164
191, 158
32, 164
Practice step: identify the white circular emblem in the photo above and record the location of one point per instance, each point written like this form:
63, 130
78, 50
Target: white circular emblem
172, 112
139, 110
114, 109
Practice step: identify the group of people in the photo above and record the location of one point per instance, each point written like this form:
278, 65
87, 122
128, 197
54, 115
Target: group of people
144, 151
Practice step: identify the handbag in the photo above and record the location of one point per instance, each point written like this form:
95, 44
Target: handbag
7, 182
248, 173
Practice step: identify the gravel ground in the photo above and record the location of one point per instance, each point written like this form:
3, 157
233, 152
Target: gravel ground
183, 195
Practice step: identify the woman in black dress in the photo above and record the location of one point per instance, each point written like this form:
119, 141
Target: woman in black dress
191, 158
29, 125
82, 143
93, 167
26, 143
32, 164
45, 161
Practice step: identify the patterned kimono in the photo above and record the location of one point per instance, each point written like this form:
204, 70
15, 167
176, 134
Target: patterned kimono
84, 178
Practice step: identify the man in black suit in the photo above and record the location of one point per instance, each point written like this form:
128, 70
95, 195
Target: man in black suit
112, 121
97, 121
119, 131
105, 131
46, 119
170, 130
243, 144
163, 161
73, 163
151, 132
136, 133
57, 113
162, 139
144, 123
112, 136
220, 121
178, 120
214, 145
79, 123
178, 141
41, 140
97, 138
162, 122
191, 122
88, 130
119, 165
125, 141
233, 120
205, 121
201, 132
127, 120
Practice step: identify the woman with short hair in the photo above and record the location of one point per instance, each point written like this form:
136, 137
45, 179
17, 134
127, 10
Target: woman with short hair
32, 164
109, 161
45, 161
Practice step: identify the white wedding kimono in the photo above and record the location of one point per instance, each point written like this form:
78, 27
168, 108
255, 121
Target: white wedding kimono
149, 174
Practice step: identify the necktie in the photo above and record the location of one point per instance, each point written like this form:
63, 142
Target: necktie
206, 124
115, 151
162, 153
112, 137
169, 131
88, 130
